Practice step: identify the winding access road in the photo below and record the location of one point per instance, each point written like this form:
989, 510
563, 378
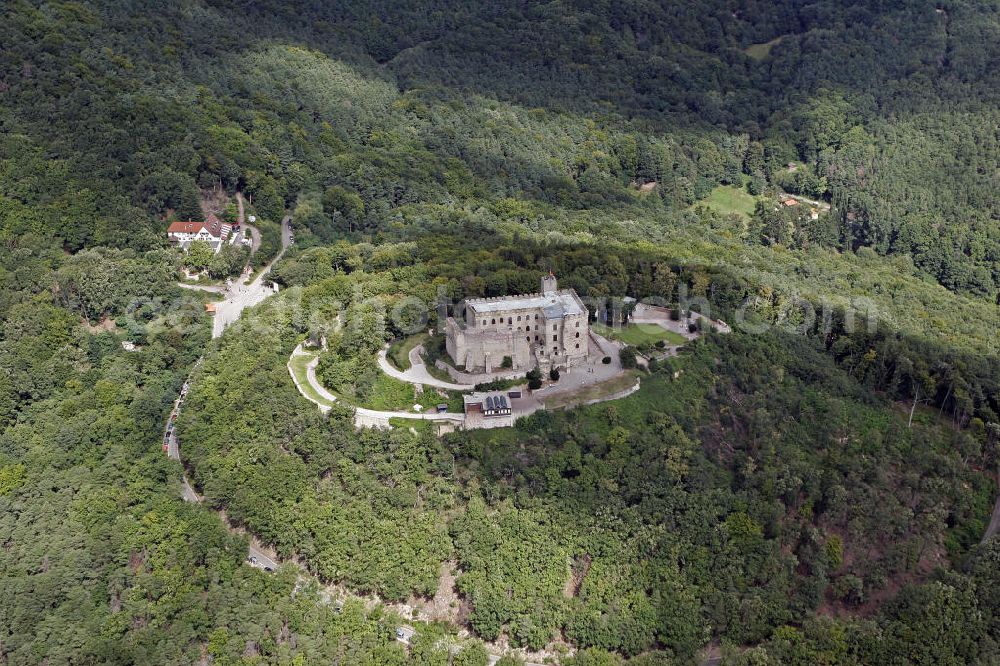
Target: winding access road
417, 373
994, 526
227, 312
363, 417
243, 296
257, 556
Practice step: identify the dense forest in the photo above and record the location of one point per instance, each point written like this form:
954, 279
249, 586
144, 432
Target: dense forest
799, 492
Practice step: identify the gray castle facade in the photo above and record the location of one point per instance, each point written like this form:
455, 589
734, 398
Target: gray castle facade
549, 329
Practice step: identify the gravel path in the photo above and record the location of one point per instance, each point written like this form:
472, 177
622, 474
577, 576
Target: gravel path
418, 373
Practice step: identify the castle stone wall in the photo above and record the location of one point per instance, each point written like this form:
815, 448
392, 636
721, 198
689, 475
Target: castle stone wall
548, 329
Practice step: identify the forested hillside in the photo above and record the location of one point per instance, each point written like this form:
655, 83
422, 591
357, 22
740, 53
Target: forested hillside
811, 494
123, 110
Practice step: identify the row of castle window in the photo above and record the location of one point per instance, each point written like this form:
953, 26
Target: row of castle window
528, 328
510, 320
555, 350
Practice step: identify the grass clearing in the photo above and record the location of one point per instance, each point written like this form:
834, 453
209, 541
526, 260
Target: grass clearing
390, 394
420, 425
399, 350
729, 199
763, 49
298, 366
439, 373
594, 392
640, 334
387, 393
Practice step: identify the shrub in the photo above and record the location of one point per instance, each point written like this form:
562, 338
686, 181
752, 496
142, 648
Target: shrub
554, 375
508, 362
627, 356
534, 377
498, 384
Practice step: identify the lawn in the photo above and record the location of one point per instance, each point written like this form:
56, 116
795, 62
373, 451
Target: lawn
594, 392
390, 394
298, 365
762, 50
727, 199
420, 425
399, 350
387, 394
640, 334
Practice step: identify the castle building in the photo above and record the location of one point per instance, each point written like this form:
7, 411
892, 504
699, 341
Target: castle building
548, 330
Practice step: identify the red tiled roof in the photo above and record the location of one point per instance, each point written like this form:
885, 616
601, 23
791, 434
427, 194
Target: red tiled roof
185, 227
214, 225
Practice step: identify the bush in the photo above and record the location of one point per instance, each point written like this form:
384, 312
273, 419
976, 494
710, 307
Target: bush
606, 360
498, 384
693, 327
534, 377
627, 356
675, 314
554, 375
508, 362
660, 344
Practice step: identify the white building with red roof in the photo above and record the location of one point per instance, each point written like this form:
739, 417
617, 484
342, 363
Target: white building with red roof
212, 231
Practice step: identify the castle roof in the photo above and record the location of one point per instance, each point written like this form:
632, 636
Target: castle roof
554, 305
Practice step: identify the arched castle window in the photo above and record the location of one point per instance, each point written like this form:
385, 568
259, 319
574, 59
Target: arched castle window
578, 335
519, 317
578, 324
528, 338
493, 321
578, 345
555, 338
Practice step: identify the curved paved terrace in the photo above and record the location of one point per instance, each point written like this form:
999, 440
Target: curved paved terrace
316, 393
417, 373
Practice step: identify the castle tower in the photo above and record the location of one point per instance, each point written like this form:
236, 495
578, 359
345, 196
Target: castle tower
549, 283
